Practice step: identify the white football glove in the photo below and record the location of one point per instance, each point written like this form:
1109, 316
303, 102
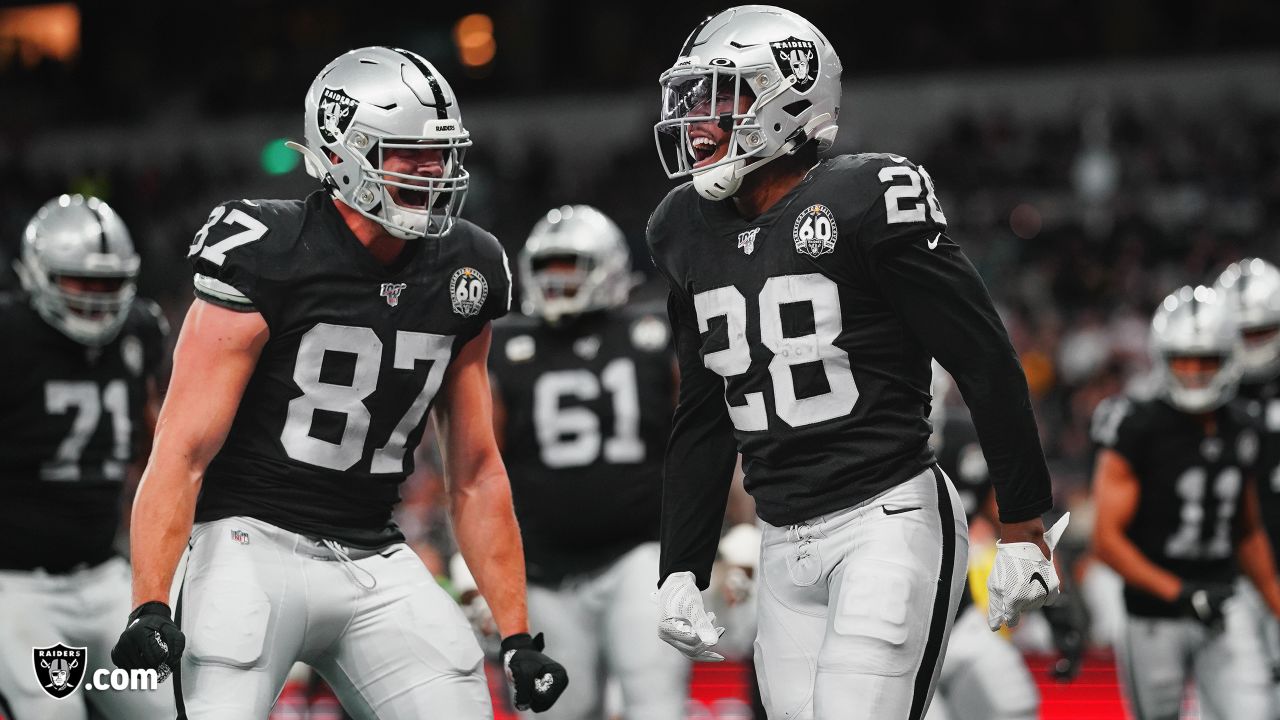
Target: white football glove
683, 621
1022, 578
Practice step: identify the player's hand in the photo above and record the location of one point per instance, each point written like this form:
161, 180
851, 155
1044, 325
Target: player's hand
683, 621
1205, 602
1022, 578
537, 679
151, 641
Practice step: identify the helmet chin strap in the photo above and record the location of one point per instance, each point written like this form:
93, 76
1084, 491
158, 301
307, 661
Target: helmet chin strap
724, 181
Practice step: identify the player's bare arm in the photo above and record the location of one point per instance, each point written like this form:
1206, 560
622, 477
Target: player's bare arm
1253, 551
1115, 493
213, 360
479, 491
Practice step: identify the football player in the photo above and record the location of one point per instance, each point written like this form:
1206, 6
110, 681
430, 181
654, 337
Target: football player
806, 299
78, 389
983, 675
1252, 289
322, 333
1177, 513
584, 389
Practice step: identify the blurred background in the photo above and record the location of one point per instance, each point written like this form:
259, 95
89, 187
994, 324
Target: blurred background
1091, 155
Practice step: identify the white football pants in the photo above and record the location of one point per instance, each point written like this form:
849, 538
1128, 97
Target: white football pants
855, 606
1156, 656
86, 608
600, 626
387, 638
983, 676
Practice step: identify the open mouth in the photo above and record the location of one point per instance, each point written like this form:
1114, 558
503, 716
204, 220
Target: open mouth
704, 150
413, 198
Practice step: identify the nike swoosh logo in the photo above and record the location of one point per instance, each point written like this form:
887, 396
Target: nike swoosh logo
897, 511
1036, 577
390, 552
934, 242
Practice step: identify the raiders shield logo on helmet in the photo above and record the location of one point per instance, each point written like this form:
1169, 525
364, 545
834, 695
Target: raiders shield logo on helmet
59, 668
334, 113
799, 58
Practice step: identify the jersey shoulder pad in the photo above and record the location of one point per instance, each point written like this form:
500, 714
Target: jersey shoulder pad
647, 326
515, 340
1121, 421
892, 200
241, 242
668, 218
148, 315
474, 247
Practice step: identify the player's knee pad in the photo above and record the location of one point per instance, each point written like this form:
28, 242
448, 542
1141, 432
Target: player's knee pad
877, 621
228, 626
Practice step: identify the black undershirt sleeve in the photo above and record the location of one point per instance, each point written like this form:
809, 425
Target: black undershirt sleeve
700, 457
941, 299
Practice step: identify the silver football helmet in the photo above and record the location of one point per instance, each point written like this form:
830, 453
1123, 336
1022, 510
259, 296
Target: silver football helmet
1196, 322
773, 57
1252, 289
376, 99
74, 241
595, 271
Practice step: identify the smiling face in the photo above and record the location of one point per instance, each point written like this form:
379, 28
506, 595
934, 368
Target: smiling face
709, 141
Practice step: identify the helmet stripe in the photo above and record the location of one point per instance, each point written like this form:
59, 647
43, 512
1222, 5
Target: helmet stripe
431, 80
102, 228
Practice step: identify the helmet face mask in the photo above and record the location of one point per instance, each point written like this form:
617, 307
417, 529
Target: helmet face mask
1196, 348
780, 78
1252, 290
377, 104
575, 261
79, 268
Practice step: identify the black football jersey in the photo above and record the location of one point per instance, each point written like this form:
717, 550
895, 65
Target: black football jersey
73, 419
1262, 402
588, 412
328, 424
804, 339
1191, 487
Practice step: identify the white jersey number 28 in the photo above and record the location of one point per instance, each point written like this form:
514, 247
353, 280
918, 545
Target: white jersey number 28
823, 297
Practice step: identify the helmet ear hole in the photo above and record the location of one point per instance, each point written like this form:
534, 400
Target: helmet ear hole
794, 109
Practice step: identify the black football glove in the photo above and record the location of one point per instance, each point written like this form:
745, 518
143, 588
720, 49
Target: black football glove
1205, 601
151, 641
537, 679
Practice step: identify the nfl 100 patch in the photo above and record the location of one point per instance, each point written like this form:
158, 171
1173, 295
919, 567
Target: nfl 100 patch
814, 231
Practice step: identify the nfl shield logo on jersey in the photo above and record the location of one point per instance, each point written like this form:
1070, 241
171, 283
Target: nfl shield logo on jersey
799, 58
468, 290
391, 291
59, 668
747, 240
815, 231
334, 113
